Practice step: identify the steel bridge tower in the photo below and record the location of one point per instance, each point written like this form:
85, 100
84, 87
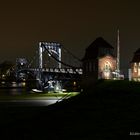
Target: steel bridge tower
51, 48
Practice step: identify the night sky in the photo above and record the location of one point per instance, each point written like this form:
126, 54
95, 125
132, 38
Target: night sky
75, 24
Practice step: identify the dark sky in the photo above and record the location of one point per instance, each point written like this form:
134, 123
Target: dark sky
75, 24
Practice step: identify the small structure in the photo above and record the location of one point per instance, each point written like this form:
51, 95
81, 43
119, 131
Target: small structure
135, 66
99, 61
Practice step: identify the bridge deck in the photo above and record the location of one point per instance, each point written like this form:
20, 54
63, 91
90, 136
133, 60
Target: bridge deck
62, 70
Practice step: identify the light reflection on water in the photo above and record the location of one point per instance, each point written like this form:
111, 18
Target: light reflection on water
12, 88
18, 89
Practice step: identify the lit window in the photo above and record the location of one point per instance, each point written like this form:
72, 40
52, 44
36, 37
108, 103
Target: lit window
139, 69
107, 68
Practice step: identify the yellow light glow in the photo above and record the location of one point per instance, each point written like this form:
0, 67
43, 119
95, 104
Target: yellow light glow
139, 69
107, 65
74, 83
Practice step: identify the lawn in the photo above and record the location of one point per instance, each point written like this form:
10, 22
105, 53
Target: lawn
31, 96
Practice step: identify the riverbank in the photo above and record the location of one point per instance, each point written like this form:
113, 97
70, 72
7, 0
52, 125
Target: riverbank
109, 110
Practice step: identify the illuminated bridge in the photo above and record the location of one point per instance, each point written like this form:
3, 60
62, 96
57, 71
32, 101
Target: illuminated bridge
55, 67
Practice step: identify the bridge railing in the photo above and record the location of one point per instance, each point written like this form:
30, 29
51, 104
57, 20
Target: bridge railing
62, 70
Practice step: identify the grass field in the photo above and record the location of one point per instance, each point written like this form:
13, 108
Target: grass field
25, 96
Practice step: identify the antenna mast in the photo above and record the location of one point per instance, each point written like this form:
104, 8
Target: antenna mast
118, 54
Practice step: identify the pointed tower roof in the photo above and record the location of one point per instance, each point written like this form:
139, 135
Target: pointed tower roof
136, 57
99, 42
92, 51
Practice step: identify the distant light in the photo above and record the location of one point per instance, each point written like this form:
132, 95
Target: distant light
57, 88
22, 84
64, 90
24, 79
3, 82
14, 84
74, 83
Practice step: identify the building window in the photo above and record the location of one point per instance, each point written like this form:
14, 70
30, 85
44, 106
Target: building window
139, 69
107, 66
107, 70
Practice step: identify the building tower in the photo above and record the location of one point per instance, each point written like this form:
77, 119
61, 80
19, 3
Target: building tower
118, 55
99, 62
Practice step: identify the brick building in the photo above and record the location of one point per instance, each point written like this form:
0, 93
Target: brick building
99, 61
135, 66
